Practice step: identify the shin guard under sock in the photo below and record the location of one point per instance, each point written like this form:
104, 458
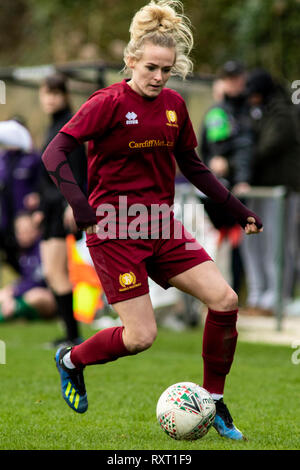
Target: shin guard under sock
219, 343
105, 346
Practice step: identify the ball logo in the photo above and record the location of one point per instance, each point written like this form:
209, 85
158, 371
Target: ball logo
127, 279
172, 118
195, 405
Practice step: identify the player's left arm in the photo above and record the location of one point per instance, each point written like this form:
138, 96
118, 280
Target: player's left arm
203, 179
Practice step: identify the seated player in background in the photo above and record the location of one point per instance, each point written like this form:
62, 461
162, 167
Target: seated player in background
28, 297
20, 169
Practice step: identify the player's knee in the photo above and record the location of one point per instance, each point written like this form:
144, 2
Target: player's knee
230, 300
227, 301
141, 340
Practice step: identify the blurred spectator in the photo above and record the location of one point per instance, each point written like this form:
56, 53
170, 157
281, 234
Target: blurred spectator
276, 162
58, 218
20, 168
28, 297
227, 149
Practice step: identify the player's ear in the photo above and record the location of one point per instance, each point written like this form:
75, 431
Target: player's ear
130, 62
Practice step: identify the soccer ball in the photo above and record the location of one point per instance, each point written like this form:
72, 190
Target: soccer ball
185, 411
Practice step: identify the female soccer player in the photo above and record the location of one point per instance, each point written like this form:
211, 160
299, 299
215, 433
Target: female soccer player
137, 129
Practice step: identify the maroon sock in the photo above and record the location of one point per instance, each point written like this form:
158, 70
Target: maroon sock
106, 345
219, 342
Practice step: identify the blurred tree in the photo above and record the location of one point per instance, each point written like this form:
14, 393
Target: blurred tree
267, 33
258, 32
213, 31
13, 18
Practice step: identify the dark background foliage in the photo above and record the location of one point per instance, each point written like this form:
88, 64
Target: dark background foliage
260, 32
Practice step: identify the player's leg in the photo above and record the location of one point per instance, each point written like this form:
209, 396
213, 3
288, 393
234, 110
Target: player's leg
54, 258
137, 334
125, 283
206, 283
55, 265
139, 322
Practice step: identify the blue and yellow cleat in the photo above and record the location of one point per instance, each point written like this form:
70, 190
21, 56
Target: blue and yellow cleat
72, 383
224, 424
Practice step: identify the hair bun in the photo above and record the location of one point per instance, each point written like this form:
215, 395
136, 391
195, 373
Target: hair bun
154, 17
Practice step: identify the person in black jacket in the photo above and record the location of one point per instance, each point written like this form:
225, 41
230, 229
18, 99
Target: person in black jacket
226, 147
227, 140
58, 218
276, 162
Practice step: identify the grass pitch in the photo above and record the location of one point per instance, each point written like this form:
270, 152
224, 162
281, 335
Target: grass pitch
262, 393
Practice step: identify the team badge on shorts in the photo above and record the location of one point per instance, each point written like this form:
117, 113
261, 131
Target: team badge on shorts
172, 118
128, 281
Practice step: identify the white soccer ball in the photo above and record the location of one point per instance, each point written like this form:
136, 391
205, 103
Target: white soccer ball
185, 411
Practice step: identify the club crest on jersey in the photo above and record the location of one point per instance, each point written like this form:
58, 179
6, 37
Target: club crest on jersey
131, 118
128, 281
172, 118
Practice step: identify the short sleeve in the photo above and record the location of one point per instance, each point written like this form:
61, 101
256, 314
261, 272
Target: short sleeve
92, 119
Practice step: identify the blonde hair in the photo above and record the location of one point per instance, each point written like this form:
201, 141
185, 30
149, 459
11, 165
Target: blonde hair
160, 23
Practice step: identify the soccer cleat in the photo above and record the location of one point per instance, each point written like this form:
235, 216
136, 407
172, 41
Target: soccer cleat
72, 383
224, 424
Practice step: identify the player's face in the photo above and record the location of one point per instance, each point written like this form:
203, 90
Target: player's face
152, 71
25, 231
51, 100
234, 86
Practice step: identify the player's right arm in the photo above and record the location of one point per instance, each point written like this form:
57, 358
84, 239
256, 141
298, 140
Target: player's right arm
90, 121
56, 162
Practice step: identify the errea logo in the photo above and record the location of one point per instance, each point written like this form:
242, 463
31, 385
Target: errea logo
131, 118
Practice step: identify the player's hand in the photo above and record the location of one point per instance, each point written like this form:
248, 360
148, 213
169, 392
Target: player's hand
91, 229
251, 227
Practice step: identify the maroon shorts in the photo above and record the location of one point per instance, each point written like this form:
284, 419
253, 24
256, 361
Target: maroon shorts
123, 266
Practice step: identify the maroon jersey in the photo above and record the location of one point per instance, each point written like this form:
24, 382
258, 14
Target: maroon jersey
132, 141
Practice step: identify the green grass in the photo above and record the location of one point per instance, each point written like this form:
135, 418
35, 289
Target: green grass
262, 393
